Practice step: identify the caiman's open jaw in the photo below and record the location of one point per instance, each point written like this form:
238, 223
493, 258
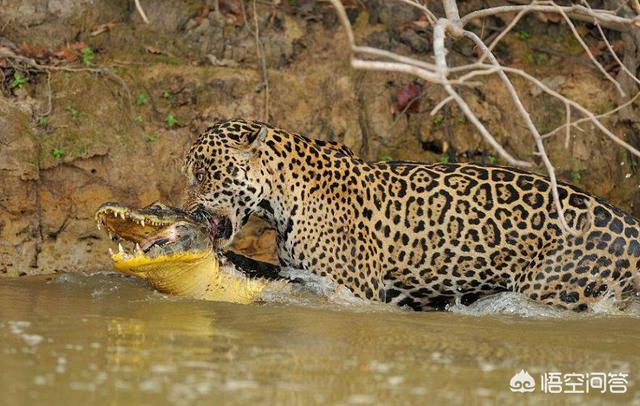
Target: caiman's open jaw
154, 234
173, 252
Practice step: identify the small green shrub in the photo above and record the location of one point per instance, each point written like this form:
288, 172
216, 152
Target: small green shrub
18, 81
170, 120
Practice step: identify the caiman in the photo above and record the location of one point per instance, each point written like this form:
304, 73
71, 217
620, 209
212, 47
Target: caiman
175, 252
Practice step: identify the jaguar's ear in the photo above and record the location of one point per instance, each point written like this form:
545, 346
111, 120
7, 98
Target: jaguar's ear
255, 139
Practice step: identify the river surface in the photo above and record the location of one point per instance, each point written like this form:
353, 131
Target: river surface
107, 339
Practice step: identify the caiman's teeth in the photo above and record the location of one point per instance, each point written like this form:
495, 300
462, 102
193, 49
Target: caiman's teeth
98, 224
138, 249
120, 250
110, 235
142, 222
110, 252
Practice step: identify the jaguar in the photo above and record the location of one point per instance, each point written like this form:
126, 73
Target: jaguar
413, 234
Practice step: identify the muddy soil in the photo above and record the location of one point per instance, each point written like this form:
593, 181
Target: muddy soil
113, 119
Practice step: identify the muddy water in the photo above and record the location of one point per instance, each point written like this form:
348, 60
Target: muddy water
106, 339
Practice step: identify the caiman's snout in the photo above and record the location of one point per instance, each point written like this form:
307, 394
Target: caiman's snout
154, 231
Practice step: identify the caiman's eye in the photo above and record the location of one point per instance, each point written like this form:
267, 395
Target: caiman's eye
200, 176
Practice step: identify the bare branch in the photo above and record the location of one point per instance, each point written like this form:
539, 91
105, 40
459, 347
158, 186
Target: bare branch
432, 18
588, 51
141, 12
599, 116
440, 105
441, 62
447, 77
262, 62
605, 17
534, 131
611, 50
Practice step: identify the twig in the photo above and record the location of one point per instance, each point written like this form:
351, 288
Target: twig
141, 12
567, 137
48, 68
590, 116
588, 51
432, 18
440, 105
509, 27
612, 51
49, 97
263, 62
599, 116
405, 109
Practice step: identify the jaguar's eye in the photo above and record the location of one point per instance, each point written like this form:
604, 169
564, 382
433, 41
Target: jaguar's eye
200, 176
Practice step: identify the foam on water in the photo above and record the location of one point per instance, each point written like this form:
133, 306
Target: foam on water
312, 287
512, 303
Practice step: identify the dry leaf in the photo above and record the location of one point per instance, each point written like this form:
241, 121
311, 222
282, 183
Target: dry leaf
407, 97
204, 13
33, 51
64, 54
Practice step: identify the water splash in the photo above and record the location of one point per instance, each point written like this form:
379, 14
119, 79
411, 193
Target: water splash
318, 291
516, 304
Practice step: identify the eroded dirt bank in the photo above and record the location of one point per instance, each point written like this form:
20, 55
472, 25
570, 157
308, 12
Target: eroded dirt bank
74, 139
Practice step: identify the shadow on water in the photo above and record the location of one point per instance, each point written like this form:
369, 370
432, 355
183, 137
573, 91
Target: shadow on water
109, 339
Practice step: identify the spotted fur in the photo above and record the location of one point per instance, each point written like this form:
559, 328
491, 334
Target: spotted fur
414, 234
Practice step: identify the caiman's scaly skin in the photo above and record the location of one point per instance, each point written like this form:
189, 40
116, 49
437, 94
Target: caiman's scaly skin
409, 233
174, 255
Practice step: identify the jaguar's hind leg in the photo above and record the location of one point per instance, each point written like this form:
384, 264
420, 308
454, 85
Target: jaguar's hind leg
568, 274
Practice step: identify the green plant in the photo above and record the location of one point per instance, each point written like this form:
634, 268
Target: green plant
43, 121
150, 138
444, 159
575, 175
142, 98
139, 119
523, 35
170, 120
437, 120
87, 56
18, 81
386, 158
491, 159
72, 112
166, 95
57, 153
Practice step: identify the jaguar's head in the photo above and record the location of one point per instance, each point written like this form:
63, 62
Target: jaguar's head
227, 178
